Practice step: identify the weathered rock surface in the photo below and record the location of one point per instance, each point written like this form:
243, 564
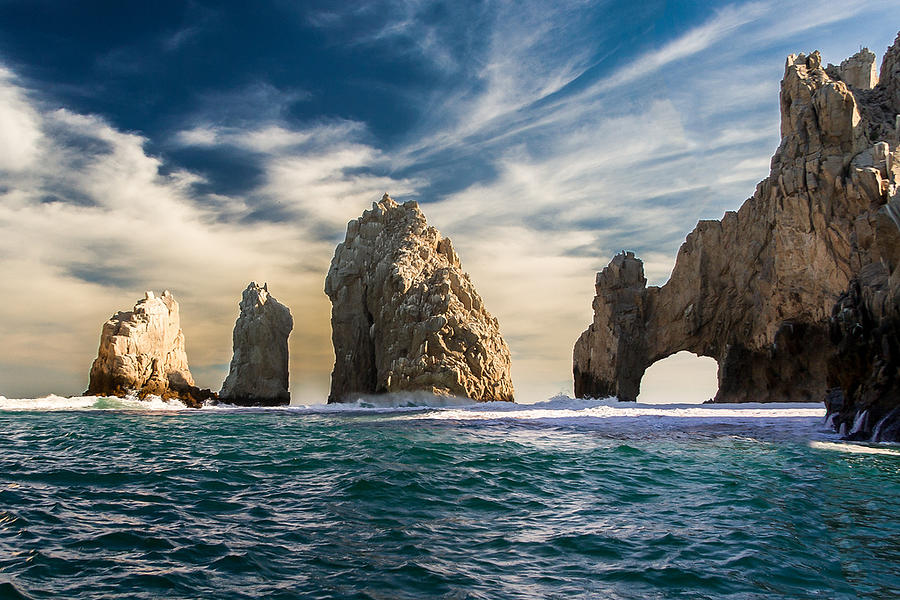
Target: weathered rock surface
405, 317
857, 71
756, 290
259, 368
142, 352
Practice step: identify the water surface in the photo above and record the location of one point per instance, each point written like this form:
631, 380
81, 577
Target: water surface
566, 499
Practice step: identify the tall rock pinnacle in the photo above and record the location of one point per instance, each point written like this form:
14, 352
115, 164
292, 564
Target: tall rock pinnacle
405, 317
259, 368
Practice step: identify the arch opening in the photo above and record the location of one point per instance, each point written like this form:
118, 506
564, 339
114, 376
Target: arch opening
682, 378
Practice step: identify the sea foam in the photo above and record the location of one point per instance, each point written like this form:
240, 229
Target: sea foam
56, 403
799, 420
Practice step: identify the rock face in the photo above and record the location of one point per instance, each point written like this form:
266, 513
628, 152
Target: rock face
756, 290
142, 351
857, 71
259, 367
405, 317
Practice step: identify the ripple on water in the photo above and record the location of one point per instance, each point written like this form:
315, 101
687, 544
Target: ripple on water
289, 504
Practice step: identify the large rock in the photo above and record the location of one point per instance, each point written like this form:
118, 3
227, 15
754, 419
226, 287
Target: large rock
405, 317
142, 352
259, 367
756, 290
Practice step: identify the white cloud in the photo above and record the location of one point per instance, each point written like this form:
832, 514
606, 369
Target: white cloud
114, 226
632, 161
688, 44
20, 133
197, 136
272, 137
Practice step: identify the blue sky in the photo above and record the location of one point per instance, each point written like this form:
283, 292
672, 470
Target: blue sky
197, 146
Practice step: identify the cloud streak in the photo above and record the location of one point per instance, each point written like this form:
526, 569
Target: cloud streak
544, 146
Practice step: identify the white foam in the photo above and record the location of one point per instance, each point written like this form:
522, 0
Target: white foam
564, 408
54, 402
853, 448
861, 420
790, 419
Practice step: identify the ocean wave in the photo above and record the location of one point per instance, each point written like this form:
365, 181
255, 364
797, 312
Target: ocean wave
57, 403
607, 416
854, 448
448, 407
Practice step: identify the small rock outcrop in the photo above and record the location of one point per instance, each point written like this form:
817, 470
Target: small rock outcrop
405, 317
795, 292
858, 71
142, 352
259, 368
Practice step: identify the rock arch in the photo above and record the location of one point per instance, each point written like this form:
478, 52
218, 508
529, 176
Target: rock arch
635, 326
755, 291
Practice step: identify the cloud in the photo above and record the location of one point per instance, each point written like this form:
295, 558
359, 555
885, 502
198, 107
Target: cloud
20, 133
403, 27
688, 44
322, 175
119, 221
271, 137
543, 146
248, 105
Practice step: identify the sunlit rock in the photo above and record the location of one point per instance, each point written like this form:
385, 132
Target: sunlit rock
758, 291
142, 352
405, 317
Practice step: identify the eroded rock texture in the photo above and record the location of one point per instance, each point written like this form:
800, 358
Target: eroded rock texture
405, 317
142, 352
259, 367
858, 71
756, 290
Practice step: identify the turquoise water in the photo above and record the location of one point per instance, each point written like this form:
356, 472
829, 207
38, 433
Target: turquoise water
574, 501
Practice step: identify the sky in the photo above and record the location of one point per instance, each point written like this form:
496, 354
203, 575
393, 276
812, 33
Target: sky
197, 146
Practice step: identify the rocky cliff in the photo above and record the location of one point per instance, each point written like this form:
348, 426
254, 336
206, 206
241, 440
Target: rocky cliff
142, 351
405, 317
756, 290
259, 368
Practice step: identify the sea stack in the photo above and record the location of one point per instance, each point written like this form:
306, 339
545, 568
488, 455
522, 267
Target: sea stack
757, 291
259, 367
405, 317
142, 352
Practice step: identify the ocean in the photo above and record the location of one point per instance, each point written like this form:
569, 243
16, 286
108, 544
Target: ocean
106, 498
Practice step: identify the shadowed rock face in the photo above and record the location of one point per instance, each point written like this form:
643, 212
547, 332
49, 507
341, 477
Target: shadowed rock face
405, 317
259, 368
756, 290
142, 351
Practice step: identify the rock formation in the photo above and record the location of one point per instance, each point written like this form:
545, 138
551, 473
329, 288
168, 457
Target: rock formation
259, 367
756, 290
858, 71
405, 317
142, 352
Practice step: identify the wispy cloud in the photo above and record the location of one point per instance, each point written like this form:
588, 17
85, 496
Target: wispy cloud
115, 225
686, 45
539, 154
20, 133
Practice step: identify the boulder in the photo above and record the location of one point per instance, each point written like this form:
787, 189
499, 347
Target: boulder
142, 352
405, 317
259, 368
